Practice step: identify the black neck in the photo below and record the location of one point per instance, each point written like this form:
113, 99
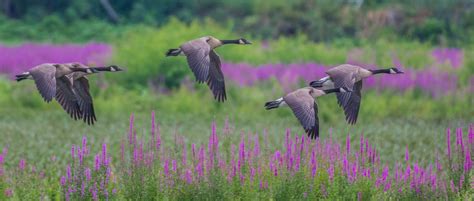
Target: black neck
328, 91
237, 41
79, 69
106, 68
378, 71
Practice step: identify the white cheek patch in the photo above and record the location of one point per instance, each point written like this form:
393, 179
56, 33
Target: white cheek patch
392, 71
241, 41
88, 71
112, 69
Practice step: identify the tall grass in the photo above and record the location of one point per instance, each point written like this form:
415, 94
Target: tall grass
247, 169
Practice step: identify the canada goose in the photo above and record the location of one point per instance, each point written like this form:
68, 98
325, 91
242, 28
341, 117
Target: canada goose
45, 76
205, 62
303, 104
73, 92
349, 76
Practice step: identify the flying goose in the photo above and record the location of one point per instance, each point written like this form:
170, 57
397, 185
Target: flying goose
205, 62
73, 92
349, 76
303, 104
46, 75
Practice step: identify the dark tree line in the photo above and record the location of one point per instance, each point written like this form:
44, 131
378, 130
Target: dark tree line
321, 20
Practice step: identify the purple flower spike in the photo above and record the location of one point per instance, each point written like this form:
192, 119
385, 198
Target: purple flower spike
85, 151
97, 162
467, 162
348, 145
62, 181
104, 154
407, 154
448, 143
22, 164
73, 151
68, 172
87, 173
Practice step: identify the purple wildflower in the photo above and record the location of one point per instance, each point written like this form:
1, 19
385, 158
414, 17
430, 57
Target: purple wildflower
87, 173
448, 142
62, 181
467, 161
97, 162
8, 192
22, 164
407, 154
73, 151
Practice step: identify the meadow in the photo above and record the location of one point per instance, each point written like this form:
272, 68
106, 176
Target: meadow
197, 148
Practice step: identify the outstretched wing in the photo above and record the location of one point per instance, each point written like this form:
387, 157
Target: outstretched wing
351, 108
66, 97
215, 80
81, 89
44, 76
305, 109
197, 55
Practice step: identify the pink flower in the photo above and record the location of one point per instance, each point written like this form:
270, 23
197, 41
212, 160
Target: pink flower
8, 192
22, 164
407, 154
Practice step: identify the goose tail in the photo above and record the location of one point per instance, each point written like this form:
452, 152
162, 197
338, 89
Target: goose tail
173, 52
273, 104
23, 76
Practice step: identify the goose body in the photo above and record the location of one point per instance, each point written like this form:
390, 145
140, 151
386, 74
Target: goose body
205, 63
45, 77
303, 104
67, 83
349, 76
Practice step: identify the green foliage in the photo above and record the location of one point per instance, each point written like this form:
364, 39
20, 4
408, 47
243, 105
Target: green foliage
443, 22
142, 51
56, 30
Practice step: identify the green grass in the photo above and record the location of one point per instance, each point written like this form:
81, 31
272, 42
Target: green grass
36, 131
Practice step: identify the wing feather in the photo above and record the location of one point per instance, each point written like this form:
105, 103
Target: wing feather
197, 55
44, 77
81, 89
66, 97
305, 109
215, 80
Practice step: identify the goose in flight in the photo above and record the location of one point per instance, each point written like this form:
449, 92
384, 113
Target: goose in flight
349, 76
205, 62
303, 104
73, 92
46, 76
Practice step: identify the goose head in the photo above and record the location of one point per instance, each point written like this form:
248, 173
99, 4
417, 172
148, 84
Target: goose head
114, 68
244, 41
395, 71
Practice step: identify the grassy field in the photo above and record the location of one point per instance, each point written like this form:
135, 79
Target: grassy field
46, 129
404, 118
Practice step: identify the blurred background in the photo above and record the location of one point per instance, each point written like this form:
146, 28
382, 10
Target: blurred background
294, 42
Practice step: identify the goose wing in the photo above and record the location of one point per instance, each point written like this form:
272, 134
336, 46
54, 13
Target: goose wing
305, 109
351, 109
44, 77
215, 79
197, 55
66, 97
81, 89
342, 78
